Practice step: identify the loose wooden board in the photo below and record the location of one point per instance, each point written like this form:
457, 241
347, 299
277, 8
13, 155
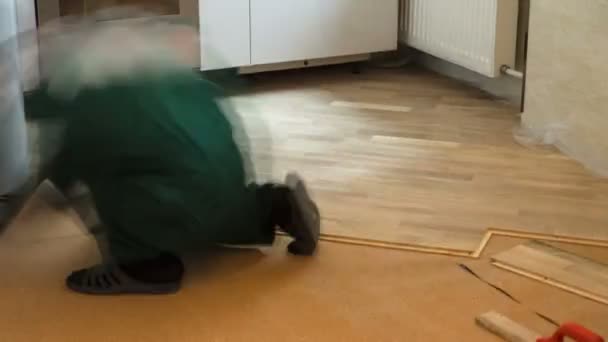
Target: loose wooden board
505, 328
371, 106
557, 268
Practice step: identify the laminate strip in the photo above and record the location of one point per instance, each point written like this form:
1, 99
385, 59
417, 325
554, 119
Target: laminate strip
474, 254
557, 268
371, 106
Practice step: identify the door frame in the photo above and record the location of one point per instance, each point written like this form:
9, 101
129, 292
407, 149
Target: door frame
27, 24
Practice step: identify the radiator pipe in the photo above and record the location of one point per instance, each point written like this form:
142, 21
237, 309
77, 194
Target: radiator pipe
507, 70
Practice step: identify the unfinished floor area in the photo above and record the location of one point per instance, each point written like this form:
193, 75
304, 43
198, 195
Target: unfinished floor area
344, 293
401, 156
410, 157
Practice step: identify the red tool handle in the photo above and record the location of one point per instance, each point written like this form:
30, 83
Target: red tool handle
575, 332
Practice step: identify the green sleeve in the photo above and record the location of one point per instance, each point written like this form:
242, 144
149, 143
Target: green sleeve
39, 104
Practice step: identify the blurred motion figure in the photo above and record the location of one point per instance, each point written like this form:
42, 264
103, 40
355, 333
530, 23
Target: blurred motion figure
145, 134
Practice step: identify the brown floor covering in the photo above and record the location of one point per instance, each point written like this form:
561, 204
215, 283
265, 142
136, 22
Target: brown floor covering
345, 293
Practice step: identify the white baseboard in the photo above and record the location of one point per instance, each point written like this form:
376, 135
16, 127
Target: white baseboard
303, 64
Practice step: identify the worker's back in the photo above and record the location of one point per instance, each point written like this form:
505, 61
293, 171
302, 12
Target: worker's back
157, 146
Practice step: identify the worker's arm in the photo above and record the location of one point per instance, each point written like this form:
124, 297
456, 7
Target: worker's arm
39, 104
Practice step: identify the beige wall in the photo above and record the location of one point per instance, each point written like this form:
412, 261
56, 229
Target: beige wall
567, 78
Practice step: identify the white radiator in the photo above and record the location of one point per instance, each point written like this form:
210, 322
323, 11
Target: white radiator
480, 35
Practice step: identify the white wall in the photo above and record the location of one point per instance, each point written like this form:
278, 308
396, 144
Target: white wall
13, 139
567, 78
28, 43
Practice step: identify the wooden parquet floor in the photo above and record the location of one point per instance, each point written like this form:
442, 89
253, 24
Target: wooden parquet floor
411, 158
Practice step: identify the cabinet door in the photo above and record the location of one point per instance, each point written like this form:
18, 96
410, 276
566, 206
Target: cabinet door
224, 26
289, 30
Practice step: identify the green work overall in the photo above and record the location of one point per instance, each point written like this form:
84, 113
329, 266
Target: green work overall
161, 163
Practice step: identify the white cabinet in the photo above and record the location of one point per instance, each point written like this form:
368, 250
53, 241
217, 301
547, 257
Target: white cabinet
224, 27
290, 30
255, 32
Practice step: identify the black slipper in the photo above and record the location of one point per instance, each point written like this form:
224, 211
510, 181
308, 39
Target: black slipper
305, 217
109, 279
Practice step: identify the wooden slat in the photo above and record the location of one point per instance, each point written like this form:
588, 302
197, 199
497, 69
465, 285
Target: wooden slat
519, 234
372, 106
505, 328
558, 268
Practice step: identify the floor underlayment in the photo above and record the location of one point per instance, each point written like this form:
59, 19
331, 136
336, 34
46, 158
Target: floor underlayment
345, 293
409, 158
